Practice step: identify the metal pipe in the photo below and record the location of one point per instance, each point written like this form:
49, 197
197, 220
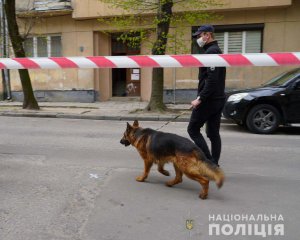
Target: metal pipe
7, 72
174, 69
5, 52
2, 48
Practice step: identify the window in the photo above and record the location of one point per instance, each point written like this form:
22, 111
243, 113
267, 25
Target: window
238, 38
240, 41
56, 46
128, 44
44, 46
28, 46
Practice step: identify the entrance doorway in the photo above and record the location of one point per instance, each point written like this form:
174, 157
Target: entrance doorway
125, 81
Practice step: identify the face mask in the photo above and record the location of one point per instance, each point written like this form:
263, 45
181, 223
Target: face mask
201, 42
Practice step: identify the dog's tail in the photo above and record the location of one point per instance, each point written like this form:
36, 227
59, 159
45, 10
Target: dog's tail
211, 170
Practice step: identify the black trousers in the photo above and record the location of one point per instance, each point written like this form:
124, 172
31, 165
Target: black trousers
208, 112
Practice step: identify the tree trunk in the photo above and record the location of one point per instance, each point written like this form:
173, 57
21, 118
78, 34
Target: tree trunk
29, 101
164, 16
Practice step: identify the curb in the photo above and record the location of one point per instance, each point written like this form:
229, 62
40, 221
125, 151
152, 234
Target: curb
101, 117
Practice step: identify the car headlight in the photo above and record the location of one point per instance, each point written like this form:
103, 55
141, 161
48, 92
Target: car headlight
237, 97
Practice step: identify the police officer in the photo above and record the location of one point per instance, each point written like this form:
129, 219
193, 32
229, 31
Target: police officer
207, 107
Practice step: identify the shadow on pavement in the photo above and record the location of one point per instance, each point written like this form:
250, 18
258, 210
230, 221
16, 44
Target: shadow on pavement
283, 130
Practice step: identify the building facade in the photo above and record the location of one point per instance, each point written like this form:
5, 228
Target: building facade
72, 28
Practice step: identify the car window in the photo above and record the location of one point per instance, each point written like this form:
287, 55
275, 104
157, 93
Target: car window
298, 83
282, 78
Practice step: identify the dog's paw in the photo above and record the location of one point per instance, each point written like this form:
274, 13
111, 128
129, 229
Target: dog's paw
203, 196
169, 184
140, 179
165, 172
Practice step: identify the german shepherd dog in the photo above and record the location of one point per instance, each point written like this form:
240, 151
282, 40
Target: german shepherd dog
160, 148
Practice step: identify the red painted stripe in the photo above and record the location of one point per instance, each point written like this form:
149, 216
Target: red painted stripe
27, 63
236, 60
64, 62
187, 60
284, 58
102, 62
2, 66
144, 61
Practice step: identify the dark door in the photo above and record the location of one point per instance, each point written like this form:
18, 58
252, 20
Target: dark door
125, 81
119, 82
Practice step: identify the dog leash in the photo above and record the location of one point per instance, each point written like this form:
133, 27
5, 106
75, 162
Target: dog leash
173, 119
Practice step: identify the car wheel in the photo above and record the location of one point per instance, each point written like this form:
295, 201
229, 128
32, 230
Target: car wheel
263, 119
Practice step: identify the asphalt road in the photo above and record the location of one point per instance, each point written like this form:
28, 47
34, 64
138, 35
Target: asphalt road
71, 179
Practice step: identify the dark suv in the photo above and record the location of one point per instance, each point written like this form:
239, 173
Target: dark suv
264, 108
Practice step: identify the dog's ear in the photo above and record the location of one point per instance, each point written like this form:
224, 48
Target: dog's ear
136, 123
129, 127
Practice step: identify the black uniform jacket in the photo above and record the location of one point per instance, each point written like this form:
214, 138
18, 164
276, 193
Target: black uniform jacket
211, 79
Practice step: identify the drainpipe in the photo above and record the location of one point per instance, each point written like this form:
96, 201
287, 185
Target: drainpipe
174, 69
5, 52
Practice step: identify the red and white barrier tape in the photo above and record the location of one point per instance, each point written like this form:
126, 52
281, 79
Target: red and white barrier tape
155, 61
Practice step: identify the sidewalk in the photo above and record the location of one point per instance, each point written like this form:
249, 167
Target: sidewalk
110, 110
